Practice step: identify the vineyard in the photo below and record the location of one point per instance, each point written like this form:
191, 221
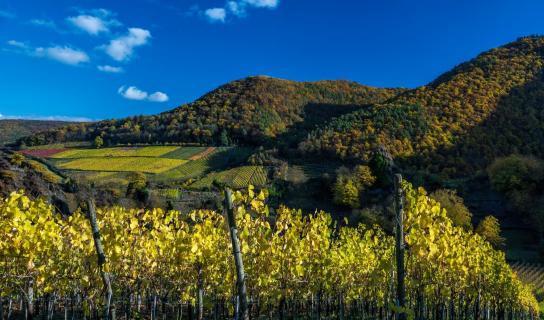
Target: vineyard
140, 164
171, 265
532, 273
208, 160
239, 177
164, 164
152, 151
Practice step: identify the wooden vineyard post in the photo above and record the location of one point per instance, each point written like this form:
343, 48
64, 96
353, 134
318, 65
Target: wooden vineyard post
101, 259
399, 246
237, 253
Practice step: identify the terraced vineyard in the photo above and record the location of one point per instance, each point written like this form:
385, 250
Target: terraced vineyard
154, 151
237, 177
531, 273
128, 164
162, 164
184, 153
217, 160
102, 178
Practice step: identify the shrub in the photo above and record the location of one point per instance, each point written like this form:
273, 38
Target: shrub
490, 229
515, 172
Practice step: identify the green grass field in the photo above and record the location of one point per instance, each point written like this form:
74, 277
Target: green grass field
153, 151
134, 164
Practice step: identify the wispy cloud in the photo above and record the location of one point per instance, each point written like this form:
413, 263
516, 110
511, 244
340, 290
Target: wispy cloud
91, 25
45, 118
122, 48
237, 8
216, 14
133, 93
94, 21
64, 54
262, 3
7, 15
17, 44
110, 69
43, 23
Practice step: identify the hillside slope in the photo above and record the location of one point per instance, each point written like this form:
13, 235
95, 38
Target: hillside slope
11, 130
253, 110
485, 108
488, 107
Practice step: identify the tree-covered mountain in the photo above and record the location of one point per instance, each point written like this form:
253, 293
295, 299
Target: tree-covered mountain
253, 110
488, 107
11, 130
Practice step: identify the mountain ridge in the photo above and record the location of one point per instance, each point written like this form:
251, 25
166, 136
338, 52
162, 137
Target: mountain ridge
233, 107
432, 127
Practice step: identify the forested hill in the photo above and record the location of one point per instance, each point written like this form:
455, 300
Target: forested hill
253, 110
11, 130
488, 107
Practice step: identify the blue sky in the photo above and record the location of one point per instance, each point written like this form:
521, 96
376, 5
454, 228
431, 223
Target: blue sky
98, 59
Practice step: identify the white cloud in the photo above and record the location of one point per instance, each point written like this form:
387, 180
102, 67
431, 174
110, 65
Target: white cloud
237, 8
158, 97
132, 93
122, 48
43, 23
216, 14
17, 44
110, 69
90, 24
64, 54
94, 21
7, 15
101, 12
43, 118
262, 3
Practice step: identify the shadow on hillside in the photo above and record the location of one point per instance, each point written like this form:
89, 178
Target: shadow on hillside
516, 126
314, 115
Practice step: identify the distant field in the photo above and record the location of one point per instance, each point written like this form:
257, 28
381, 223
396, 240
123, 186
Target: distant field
184, 153
239, 177
73, 144
102, 178
208, 160
164, 164
116, 152
140, 164
43, 153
